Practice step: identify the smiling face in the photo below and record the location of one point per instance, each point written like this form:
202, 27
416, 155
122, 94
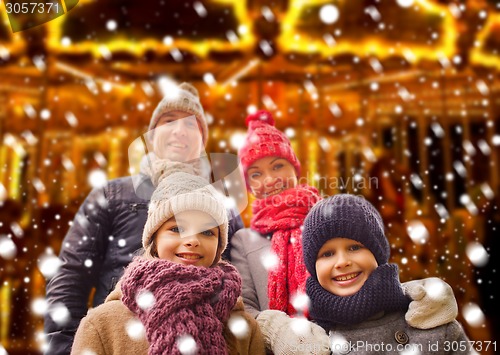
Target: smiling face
343, 265
271, 175
177, 137
189, 238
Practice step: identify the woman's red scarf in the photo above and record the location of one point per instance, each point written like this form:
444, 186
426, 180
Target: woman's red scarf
282, 216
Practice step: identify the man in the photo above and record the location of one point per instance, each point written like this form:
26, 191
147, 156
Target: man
107, 229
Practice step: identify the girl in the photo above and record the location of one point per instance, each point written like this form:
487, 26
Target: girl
271, 170
179, 292
355, 294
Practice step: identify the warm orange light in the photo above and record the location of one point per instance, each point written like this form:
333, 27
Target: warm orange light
5, 310
477, 54
245, 39
291, 40
15, 43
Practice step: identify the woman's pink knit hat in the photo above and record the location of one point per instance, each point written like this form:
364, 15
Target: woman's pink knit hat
265, 140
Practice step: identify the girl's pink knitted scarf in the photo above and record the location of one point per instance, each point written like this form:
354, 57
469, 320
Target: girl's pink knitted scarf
282, 216
189, 300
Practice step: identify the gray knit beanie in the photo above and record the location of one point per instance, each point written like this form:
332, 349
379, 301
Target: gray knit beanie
185, 98
178, 192
343, 216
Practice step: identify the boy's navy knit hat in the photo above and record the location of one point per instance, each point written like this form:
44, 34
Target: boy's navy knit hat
343, 216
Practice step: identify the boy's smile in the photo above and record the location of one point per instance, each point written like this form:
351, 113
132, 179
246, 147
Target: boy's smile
343, 265
347, 277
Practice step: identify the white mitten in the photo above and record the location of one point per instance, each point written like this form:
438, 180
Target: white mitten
433, 304
284, 335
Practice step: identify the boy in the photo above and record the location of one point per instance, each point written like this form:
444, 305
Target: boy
355, 294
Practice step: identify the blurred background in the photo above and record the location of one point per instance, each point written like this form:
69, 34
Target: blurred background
395, 100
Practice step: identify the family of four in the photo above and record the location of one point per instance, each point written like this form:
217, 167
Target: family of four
171, 292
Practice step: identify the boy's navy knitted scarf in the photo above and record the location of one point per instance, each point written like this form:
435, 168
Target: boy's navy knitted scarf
382, 291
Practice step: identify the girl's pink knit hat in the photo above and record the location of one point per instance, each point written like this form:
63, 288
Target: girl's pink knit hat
265, 140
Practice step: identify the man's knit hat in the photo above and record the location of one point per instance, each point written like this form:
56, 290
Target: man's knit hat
180, 191
343, 216
265, 140
183, 98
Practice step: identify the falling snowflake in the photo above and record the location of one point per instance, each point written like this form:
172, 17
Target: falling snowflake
209, 79
329, 14
59, 313
200, 9
411, 349
300, 326
88, 263
477, 254
238, 326
269, 260
435, 288
145, 300
39, 306
49, 264
111, 25
339, 344
266, 48
97, 178
373, 12
135, 329
417, 232
8, 249
335, 109
187, 345
473, 315
300, 301
268, 14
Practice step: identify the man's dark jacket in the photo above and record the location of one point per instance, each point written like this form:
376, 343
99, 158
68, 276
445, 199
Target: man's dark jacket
106, 233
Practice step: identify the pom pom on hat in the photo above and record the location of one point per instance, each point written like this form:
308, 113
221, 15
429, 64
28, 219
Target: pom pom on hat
264, 140
343, 216
184, 98
262, 116
190, 88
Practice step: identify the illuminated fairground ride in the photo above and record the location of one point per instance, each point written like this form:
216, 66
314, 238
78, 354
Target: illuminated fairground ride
412, 84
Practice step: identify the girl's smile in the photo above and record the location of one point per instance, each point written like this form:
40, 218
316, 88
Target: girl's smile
189, 238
